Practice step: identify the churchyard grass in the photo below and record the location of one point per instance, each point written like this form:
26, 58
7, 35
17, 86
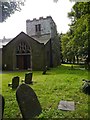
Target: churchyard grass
61, 83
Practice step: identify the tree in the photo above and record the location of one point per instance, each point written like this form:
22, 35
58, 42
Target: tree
79, 32
8, 7
68, 49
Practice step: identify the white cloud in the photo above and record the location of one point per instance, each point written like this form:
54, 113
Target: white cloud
11, 0
35, 9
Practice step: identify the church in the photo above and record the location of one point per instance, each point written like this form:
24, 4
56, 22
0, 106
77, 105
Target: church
35, 49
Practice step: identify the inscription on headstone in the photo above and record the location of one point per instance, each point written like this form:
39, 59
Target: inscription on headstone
28, 101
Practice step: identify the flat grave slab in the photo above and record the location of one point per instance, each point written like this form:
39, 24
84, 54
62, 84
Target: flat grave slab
66, 105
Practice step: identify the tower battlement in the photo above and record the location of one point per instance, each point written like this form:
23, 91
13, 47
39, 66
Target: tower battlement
40, 18
41, 26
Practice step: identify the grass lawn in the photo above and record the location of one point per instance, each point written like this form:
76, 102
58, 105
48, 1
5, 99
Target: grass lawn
61, 83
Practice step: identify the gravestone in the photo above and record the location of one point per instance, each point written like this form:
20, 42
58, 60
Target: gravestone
28, 78
2, 103
45, 70
15, 82
28, 102
86, 87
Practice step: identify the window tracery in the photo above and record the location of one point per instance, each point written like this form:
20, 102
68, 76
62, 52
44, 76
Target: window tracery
23, 48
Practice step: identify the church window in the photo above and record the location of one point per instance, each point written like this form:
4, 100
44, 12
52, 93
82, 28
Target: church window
38, 27
23, 48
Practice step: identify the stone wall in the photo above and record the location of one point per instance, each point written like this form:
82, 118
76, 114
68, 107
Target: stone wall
47, 26
9, 53
56, 51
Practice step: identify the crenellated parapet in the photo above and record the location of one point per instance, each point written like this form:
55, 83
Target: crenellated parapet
41, 26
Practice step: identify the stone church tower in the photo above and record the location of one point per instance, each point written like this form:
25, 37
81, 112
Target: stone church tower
40, 27
44, 30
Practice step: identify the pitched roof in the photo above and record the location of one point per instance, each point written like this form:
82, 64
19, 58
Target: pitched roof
42, 39
20, 34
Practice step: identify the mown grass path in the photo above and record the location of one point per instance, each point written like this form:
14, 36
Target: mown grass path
61, 83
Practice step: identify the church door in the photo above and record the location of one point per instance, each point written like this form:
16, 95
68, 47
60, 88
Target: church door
23, 56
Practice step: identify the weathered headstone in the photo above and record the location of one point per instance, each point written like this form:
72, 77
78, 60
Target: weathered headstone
15, 82
45, 70
86, 87
2, 103
28, 78
28, 102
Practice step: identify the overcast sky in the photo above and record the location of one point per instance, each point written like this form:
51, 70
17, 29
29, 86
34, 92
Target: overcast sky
35, 9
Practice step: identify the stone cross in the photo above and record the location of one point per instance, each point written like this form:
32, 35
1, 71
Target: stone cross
28, 102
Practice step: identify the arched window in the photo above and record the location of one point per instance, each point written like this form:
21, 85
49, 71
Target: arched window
23, 48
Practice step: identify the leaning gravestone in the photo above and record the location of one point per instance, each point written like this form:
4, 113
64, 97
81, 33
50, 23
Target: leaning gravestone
15, 82
28, 78
2, 103
28, 102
